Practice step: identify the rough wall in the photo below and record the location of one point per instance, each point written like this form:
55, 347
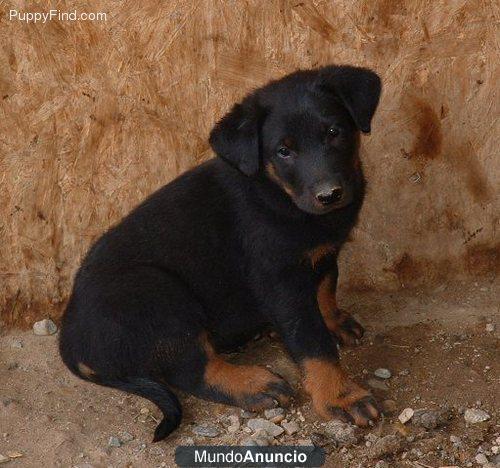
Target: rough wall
94, 116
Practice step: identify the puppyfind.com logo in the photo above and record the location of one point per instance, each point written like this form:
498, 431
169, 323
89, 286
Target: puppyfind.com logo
52, 15
229, 456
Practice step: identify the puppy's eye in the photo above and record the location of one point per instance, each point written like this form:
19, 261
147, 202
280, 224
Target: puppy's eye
334, 131
284, 152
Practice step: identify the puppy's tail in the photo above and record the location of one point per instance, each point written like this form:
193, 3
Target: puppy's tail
159, 394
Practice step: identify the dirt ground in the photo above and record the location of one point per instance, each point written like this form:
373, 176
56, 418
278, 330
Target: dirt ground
438, 344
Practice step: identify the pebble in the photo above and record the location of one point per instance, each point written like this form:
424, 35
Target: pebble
206, 430
247, 414
16, 343
388, 445
276, 415
455, 440
377, 384
429, 419
405, 372
126, 436
234, 424
3, 459
269, 427
290, 427
255, 442
475, 415
490, 327
342, 433
44, 327
406, 415
114, 442
382, 373
382, 464
495, 449
481, 459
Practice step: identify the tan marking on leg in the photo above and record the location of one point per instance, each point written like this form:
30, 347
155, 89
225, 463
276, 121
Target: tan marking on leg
271, 171
329, 386
316, 254
327, 304
85, 370
238, 381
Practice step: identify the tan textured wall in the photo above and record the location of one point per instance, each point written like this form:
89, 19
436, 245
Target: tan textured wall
94, 116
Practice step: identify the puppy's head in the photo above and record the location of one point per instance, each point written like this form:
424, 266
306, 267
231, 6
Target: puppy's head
303, 132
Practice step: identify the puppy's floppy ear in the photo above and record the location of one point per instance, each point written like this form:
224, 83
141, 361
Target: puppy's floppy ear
235, 138
357, 88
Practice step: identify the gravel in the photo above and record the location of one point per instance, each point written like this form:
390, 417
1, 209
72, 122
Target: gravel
475, 415
387, 445
481, 458
377, 384
44, 327
342, 433
268, 427
383, 373
429, 419
406, 415
290, 427
114, 442
206, 430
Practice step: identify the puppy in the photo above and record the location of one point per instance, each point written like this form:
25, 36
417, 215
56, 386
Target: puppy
246, 240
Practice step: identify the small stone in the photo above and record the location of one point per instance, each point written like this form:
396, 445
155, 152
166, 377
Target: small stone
276, 415
290, 427
481, 459
126, 436
247, 414
44, 327
4, 459
383, 373
342, 433
406, 415
490, 327
269, 427
475, 415
387, 445
455, 440
404, 372
234, 424
495, 449
429, 419
255, 442
377, 384
144, 410
114, 442
16, 343
389, 406
206, 430
382, 464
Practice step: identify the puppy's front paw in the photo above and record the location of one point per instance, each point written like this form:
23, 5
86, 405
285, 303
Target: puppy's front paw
344, 327
336, 396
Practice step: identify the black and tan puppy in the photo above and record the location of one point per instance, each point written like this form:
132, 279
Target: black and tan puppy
246, 240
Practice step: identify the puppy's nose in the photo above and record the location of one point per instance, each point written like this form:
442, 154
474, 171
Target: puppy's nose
329, 196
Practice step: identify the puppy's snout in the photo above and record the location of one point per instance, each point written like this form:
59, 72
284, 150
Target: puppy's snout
330, 195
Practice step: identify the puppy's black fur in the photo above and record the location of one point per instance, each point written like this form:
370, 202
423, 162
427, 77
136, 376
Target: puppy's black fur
240, 242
